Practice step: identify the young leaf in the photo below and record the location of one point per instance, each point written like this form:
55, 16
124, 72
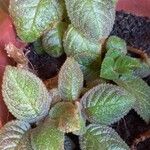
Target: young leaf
11, 134
67, 115
116, 64
32, 18
116, 43
70, 81
47, 137
106, 104
53, 40
141, 91
25, 95
101, 138
94, 19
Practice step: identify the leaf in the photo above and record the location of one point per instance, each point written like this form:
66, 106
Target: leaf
38, 46
143, 71
47, 137
55, 95
102, 138
116, 43
86, 53
116, 65
25, 95
106, 104
25, 142
53, 40
67, 115
141, 91
94, 19
32, 18
11, 134
70, 81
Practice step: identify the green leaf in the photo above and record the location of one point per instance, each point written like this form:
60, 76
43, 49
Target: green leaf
53, 40
141, 91
25, 142
94, 19
116, 64
86, 53
67, 115
25, 94
70, 80
39, 47
143, 71
116, 43
11, 134
101, 138
32, 18
106, 104
47, 137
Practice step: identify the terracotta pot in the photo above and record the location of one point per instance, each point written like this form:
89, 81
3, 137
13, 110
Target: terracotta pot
137, 7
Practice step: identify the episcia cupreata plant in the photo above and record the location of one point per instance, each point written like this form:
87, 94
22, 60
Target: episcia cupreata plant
97, 85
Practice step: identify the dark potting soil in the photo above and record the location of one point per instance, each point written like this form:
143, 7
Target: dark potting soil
136, 32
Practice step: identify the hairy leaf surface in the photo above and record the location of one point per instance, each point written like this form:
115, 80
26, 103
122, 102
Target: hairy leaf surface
106, 104
25, 95
85, 52
67, 115
11, 134
47, 137
94, 18
116, 64
32, 18
101, 138
141, 91
70, 80
116, 43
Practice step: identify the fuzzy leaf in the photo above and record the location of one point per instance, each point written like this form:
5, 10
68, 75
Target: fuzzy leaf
70, 81
25, 95
52, 40
116, 43
141, 91
11, 134
47, 137
39, 47
86, 53
25, 142
102, 138
116, 64
106, 104
67, 116
94, 19
55, 95
32, 18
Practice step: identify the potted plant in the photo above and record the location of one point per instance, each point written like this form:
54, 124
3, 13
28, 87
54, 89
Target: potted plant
100, 80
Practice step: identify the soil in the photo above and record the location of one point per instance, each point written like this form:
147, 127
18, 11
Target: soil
136, 32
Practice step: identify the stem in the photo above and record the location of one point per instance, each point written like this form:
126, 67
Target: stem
141, 53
